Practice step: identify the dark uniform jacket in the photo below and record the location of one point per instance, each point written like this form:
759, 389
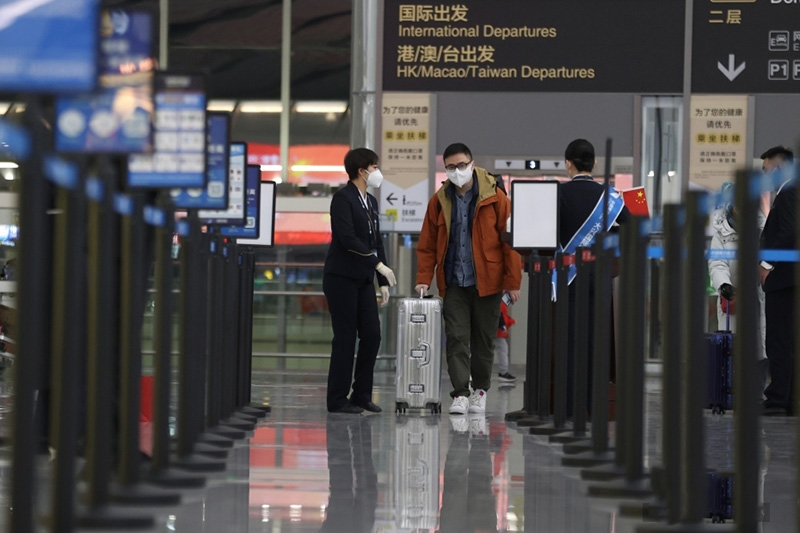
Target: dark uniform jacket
356, 246
779, 233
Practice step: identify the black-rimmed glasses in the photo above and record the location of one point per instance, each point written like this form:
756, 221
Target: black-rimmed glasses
459, 166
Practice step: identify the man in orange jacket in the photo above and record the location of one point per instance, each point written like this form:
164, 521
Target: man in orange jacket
460, 241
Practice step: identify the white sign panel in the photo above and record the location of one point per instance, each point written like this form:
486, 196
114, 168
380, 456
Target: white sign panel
406, 159
266, 213
534, 214
718, 139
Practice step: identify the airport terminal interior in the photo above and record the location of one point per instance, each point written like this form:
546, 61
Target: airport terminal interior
406, 78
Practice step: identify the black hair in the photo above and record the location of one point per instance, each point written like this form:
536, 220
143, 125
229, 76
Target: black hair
456, 148
358, 158
580, 153
783, 153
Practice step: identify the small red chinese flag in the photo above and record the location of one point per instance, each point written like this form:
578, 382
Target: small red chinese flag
636, 201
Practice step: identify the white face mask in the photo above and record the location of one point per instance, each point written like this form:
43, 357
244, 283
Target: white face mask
374, 179
460, 177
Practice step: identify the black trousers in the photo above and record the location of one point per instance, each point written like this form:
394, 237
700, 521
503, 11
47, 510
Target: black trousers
354, 314
779, 308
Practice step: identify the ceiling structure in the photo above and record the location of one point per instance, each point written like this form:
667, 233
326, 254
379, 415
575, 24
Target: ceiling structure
237, 44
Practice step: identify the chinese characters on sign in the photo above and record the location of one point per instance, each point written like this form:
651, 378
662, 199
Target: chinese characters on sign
718, 139
518, 45
405, 159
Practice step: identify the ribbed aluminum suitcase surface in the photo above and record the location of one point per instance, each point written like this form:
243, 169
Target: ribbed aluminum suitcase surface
416, 468
419, 358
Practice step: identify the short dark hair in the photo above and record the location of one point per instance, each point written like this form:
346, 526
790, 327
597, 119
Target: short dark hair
359, 158
456, 148
781, 152
580, 153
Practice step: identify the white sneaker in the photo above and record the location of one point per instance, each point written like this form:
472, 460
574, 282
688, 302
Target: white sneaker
477, 425
477, 401
460, 405
459, 424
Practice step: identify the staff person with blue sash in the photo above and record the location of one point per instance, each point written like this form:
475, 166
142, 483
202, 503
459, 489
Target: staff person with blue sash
355, 258
580, 220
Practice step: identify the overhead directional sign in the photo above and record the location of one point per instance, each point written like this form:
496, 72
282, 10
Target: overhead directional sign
746, 46
520, 45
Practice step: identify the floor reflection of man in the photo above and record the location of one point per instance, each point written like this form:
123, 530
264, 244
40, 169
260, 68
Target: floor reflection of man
468, 503
353, 481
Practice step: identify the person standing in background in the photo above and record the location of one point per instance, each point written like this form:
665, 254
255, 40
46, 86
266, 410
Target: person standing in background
354, 258
778, 281
722, 274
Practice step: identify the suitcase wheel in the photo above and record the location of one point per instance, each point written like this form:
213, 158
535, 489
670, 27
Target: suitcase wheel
400, 407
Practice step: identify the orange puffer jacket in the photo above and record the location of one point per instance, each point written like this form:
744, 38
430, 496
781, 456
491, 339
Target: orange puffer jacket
497, 265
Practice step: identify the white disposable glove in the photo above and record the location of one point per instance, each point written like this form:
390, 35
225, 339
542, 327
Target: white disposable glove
384, 295
387, 273
421, 289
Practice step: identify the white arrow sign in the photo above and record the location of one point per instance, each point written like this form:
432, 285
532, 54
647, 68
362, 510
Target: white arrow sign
732, 71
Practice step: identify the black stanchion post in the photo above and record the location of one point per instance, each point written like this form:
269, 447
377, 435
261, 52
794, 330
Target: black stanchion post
604, 249
161, 473
191, 454
132, 294
561, 340
103, 322
68, 345
746, 449
584, 262
693, 465
230, 345
33, 287
246, 267
630, 420
530, 392
545, 337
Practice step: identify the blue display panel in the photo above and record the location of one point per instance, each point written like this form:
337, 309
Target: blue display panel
48, 47
234, 214
119, 118
215, 194
248, 230
179, 159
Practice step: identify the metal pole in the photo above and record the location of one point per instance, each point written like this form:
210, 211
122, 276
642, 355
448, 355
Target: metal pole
68, 343
746, 346
545, 338
530, 389
34, 305
674, 218
602, 340
686, 141
583, 261
286, 65
163, 33
561, 340
634, 445
693, 465
364, 73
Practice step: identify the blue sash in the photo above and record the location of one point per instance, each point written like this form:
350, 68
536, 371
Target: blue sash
591, 227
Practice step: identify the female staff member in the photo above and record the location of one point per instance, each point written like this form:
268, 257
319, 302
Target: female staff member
355, 254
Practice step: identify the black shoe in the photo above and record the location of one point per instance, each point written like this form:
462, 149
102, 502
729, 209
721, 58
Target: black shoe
506, 378
347, 409
767, 410
369, 406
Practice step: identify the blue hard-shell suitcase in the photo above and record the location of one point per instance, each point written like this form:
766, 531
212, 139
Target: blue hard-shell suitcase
720, 497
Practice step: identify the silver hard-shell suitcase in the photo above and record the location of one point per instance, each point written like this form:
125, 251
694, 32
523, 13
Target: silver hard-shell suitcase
416, 473
419, 360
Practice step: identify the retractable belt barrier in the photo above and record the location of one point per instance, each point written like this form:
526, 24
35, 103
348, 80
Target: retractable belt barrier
673, 494
66, 313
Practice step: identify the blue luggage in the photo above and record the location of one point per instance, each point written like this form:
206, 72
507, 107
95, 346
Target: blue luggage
720, 497
720, 371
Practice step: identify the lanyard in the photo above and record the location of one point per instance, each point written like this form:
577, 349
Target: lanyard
368, 210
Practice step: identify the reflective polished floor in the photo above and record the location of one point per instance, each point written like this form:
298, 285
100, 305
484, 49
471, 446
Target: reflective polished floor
304, 470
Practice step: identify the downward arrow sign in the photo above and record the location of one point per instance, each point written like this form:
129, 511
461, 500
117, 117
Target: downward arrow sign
732, 71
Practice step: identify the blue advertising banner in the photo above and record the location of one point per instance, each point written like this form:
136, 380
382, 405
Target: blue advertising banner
119, 118
215, 195
234, 214
179, 159
249, 229
48, 46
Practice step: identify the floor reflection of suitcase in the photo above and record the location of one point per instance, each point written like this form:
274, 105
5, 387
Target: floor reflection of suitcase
720, 371
419, 358
416, 469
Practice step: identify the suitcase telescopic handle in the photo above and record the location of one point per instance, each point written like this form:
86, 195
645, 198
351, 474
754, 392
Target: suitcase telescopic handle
421, 294
427, 359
